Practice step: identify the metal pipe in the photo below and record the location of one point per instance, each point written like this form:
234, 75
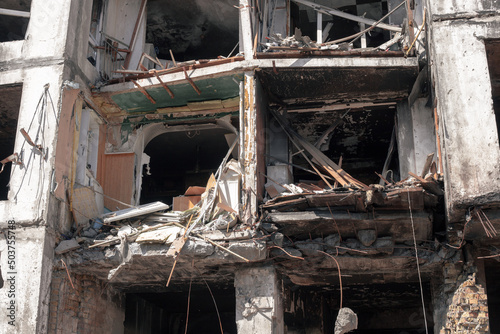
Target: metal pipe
11, 12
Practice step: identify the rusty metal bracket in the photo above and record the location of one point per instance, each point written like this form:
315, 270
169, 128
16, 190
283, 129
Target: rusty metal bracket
191, 82
143, 91
169, 91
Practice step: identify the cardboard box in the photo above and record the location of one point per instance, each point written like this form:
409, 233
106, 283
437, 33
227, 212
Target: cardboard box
183, 203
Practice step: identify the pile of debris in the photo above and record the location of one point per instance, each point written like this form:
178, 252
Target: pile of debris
300, 42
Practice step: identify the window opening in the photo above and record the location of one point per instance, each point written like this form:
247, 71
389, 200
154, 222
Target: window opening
10, 102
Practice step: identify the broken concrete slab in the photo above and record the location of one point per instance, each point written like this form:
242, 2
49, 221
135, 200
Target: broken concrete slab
66, 246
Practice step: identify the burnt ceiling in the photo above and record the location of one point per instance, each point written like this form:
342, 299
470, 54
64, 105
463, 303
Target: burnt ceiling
192, 29
315, 86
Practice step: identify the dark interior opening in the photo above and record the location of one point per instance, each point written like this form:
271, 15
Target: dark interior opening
13, 28
10, 101
493, 55
492, 271
180, 160
162, 313
304, 18
192, 29
392, 308
361, 138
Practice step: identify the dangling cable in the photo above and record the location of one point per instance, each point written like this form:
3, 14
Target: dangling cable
418, 265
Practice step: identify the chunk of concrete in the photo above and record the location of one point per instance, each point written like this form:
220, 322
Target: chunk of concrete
66, 246
197, 248
346, 321
277, 239
384, 245
249, 249
367, 237
310, 248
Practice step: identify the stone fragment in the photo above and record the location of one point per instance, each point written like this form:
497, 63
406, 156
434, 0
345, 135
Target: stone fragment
310, 248
384, 245
277, 239
367, 237
66, 246
346, 321
89, 233
333, 240
276, 252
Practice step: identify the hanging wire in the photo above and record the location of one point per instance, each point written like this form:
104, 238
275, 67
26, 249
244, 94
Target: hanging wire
418, 265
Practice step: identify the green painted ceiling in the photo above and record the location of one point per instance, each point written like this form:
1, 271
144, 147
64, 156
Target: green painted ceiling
220, 88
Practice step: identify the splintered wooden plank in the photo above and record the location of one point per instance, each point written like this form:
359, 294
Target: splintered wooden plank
333, 200
398, 200
297, 204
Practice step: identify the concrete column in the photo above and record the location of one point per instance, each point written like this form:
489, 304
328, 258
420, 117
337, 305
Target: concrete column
416, 136
404, 136
246, 30
468, 130
258, 301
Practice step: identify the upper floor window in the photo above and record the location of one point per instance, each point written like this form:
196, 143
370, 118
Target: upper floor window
14, 18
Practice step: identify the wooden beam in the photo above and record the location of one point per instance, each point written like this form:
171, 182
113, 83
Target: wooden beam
164, 85
191, 82
143, 91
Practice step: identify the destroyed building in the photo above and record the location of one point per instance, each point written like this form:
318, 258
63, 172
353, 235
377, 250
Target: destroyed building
251, 166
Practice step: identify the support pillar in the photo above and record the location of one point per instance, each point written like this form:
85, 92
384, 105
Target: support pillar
258, 301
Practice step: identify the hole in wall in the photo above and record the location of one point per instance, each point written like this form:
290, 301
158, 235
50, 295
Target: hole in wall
181, 159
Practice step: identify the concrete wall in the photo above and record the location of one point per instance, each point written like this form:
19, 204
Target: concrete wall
42, 59
454, 7
468, 130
